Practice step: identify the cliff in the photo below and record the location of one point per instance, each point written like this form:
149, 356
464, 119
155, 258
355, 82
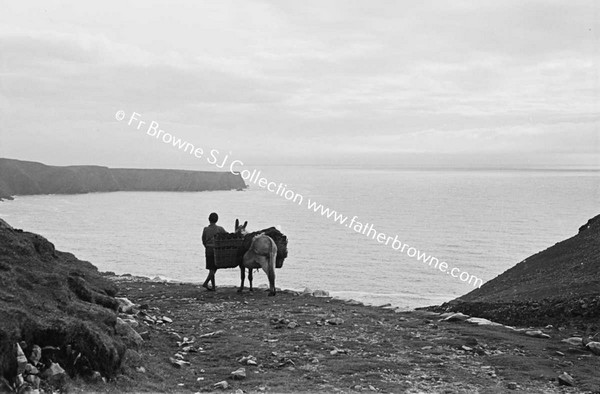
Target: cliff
559, 286
26, 178
53, 301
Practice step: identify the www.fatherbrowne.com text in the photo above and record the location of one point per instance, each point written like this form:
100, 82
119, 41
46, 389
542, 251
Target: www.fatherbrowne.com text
214, 157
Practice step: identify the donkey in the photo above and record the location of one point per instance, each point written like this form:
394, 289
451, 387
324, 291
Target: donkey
261, 254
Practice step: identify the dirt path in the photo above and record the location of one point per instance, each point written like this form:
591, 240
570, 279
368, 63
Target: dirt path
311, 344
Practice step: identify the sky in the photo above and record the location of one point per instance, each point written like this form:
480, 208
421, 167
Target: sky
503, 84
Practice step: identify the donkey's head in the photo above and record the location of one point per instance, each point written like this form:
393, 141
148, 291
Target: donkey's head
240, 229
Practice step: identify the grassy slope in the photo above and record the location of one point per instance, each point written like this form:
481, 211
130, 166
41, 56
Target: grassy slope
559, 285
50, 298
570, 268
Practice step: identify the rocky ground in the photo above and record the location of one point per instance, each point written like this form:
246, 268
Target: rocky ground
64, 327
200, 341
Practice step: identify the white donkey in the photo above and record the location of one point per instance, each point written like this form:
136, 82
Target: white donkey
261, 254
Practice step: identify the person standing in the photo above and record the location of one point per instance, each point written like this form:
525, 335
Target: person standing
208, 240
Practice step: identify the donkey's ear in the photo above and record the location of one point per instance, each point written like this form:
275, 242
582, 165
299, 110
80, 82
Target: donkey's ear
237, 223
245, 223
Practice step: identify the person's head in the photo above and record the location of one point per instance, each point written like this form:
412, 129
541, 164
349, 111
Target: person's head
213, 217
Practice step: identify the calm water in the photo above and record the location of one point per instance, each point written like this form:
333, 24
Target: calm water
482, 222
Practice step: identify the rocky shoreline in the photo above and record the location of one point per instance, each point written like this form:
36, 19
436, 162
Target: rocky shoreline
577, 312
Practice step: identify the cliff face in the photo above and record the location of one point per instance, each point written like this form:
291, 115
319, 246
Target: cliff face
559, 285
51, 299
26, 178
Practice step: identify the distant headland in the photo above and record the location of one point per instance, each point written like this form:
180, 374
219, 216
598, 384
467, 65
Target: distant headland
28, 178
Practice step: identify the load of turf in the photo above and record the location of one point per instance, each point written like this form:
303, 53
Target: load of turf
558, 286
53, 300
280, 240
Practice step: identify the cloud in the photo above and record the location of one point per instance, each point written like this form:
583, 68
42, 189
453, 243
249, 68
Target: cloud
582, 138
311, 78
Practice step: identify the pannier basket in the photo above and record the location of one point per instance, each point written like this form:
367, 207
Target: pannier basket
282, 251
227, 247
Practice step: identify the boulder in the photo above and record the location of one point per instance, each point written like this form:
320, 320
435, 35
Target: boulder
248, 360
36, 354
131, 321
456, 317
96, 377
129, 335
31, 370
575, 341
33, 380
54, 374
537, 334
21, 360
481, 321
320, 293
178, 363
223, 385
594, 347
239, 374
566, 380
145, 335
125, 305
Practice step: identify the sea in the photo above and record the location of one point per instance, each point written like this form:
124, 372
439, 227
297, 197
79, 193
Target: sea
481, 222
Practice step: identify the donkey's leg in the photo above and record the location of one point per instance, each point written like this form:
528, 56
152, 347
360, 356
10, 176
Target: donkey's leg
250, 278
271, 268
271, 276
264, 264
243, 277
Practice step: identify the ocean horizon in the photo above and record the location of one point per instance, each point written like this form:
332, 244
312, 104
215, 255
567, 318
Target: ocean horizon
481, 222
